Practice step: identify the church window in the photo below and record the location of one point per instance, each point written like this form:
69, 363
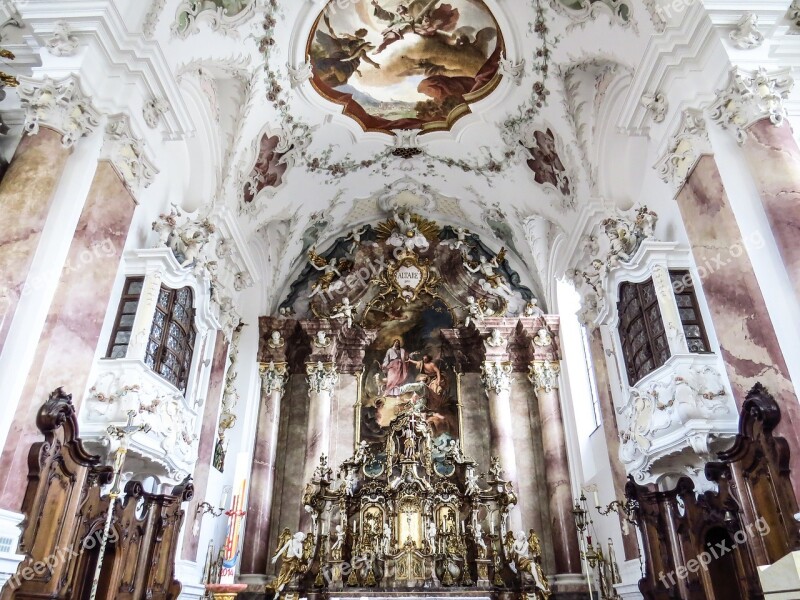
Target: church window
689, 310
171, 343
123, 324
641, 328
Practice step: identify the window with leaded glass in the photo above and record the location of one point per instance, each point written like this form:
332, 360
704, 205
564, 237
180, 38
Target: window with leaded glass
171, 343
689, 310
126, 313
641, 329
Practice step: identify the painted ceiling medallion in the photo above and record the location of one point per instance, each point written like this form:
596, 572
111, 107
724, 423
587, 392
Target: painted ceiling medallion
406, 64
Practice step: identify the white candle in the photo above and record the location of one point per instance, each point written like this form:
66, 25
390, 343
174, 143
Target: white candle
596, 499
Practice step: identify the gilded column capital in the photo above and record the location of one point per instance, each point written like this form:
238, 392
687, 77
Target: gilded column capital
543, 374
60, 105
750, 97
496, 376
322, 377
274, 377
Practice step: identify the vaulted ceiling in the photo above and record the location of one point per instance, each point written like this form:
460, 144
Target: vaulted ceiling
294, 163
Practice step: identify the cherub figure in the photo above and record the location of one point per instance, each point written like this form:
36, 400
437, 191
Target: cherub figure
476, 311
350, 482
479, 541
430, 536
355, 236
461, 239
338, 546
276, 340
473, 487
345, 311
532, 309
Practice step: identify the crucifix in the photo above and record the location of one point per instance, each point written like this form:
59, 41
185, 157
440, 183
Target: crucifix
121, 435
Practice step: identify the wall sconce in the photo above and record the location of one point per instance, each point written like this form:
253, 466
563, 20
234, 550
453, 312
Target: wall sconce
204, 508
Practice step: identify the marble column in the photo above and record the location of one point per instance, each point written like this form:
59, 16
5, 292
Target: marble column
747, 339
57, 115
322, 376
496, 377
67, 347
205, 449
322, 379
25, 197
774, 159
255, 554
752, 106
611, 432
544, 375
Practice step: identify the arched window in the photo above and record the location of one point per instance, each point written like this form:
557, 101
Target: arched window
641, 330
171, 343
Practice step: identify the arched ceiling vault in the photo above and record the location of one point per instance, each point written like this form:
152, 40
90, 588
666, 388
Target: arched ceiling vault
283, 155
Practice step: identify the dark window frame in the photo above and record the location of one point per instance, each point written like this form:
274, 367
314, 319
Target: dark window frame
636, 359
159, 351
687, 289
119, 328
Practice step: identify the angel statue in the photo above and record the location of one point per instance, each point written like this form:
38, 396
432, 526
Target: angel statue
460, 239
345, 311
293, 550
488, 269
330, 269
524, 561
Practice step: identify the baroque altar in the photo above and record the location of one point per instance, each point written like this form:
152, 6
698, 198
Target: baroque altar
412, 521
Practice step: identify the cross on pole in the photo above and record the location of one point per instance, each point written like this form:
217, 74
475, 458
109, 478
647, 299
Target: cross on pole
122, 435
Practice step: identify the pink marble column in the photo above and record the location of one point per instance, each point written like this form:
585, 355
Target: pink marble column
255, 555
497, 382
207, 443
544, 376
611, 432
322, 376
496, 372
745, 332
774, 159
26, 192
66, 350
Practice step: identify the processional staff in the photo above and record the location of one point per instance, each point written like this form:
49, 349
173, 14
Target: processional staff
122, 435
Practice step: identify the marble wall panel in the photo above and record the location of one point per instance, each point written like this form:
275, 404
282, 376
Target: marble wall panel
207, 443
26, 192
745, 332
70, 337
774, 159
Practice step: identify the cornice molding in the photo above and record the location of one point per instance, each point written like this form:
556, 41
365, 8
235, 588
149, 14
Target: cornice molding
130, 58
126, 152
685, 148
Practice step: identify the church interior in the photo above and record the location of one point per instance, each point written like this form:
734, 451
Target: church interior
399, 299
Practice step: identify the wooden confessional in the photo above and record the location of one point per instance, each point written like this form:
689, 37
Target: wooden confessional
749, 522
65, 511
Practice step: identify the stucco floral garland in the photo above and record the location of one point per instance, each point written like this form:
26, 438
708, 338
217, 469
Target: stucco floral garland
486, 166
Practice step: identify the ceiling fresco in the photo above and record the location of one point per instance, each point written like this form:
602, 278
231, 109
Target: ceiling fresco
405, 65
